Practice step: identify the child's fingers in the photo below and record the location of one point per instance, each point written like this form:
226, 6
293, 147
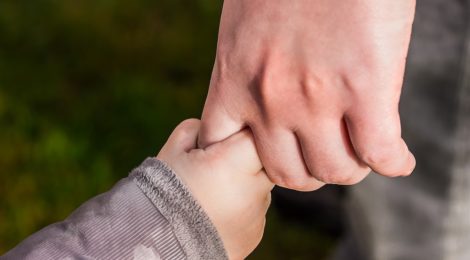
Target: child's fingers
183, 138
265, 184
237, 153
264, 187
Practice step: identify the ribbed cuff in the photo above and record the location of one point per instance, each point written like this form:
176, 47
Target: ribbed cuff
194, 230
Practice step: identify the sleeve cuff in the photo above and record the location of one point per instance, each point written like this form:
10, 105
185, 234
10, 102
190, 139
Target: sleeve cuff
192, 227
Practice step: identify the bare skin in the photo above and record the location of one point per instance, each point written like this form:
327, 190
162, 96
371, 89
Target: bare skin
227, 180
318, 82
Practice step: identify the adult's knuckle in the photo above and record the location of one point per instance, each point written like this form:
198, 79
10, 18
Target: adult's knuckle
290, 182
312, 85
345, 178
357, 176
267, 93
377, 158
334, 177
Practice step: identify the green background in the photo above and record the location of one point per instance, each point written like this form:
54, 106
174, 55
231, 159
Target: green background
90, 88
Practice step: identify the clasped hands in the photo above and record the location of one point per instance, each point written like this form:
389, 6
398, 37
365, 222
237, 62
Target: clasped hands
303, 93
318, 83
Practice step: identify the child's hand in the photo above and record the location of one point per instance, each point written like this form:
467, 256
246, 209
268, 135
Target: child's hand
227, 180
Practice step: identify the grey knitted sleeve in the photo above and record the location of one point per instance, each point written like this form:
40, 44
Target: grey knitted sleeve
148, 215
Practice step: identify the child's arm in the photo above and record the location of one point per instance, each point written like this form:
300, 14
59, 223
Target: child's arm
156, 212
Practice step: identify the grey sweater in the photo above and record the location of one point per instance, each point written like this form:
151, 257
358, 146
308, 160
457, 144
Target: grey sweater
148, 215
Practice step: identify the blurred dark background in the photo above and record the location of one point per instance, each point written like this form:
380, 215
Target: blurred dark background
90, 88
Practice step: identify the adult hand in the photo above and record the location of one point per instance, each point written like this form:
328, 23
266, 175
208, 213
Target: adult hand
318, 82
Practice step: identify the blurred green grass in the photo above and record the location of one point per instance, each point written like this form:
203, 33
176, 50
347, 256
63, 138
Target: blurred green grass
90, 88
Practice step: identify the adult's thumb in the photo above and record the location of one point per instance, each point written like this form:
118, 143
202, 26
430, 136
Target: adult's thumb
216, 122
